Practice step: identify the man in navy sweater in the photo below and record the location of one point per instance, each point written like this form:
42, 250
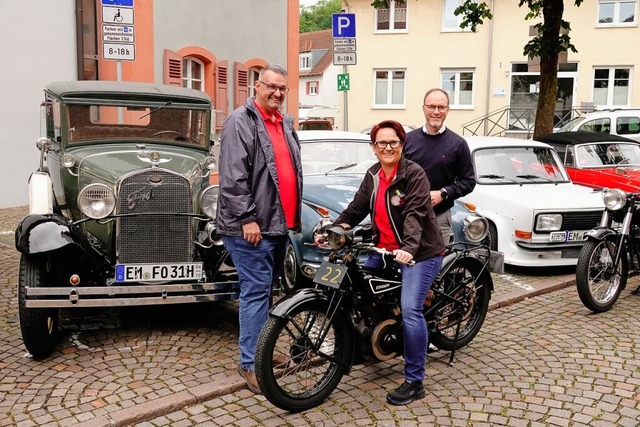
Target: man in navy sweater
444, 155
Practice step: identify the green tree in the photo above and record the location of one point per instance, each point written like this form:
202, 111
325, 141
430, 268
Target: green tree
318, 16
547, 44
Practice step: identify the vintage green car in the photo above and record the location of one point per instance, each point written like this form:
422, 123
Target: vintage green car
122, 207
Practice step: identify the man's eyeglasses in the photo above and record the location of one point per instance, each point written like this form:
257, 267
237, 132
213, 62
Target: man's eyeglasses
381, 145
272, 88
431, 108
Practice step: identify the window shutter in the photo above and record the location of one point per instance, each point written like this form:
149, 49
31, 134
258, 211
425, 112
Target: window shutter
308, 88
241, 82
222, 93
318, 87
172, 68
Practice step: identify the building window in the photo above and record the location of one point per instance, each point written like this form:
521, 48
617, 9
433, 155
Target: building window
392, 19
459, 86
305, 61
312, 88
389, 88
617, 12
451, 22
192, 73
254, 76
611, 87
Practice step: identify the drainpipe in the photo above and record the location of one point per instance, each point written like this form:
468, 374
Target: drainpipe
488, 96
79, 41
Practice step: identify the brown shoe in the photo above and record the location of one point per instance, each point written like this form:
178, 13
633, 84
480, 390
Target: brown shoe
280, 361
250, 378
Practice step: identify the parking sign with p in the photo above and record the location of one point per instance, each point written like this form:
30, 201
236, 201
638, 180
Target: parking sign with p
344, 25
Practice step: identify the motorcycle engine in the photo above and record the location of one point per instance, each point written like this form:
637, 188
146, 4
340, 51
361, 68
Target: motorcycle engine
386, 339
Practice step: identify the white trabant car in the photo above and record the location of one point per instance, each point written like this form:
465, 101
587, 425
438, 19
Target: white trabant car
537, 216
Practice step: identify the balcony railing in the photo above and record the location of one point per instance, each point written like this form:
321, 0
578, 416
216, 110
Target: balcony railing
514, 120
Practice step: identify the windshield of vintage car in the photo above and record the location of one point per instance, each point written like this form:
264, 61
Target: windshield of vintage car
518, 165
162, 123
608, 155
336, 156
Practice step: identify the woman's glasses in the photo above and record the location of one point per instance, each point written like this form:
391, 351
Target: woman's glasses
381, 145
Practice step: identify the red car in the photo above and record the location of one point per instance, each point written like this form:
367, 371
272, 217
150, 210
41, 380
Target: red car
598, 160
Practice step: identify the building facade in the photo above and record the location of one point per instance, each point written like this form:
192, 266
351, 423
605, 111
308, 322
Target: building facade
411, 47
214, 46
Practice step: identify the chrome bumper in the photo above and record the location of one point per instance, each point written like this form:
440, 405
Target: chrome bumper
113, 296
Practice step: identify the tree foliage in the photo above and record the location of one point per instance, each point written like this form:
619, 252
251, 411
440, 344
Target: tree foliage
318, 16
551, 39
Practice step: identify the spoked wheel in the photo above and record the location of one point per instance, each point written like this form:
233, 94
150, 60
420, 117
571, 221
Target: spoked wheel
467, 305
599, 282
39, 326
311, 352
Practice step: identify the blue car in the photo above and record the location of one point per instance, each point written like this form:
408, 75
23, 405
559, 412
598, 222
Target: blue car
334, 164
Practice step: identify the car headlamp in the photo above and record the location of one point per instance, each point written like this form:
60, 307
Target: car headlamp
67, 160
96, 201
548, 222
209, 201
614, 199
210, 163
475, 227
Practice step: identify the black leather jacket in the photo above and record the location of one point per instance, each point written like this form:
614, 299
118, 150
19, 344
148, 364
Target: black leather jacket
408, 205
248, 177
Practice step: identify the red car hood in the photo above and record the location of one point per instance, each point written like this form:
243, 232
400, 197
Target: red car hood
626, 179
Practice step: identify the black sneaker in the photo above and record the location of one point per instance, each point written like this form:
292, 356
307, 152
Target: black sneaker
406, 393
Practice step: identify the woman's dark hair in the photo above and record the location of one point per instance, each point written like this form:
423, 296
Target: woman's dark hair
392, 124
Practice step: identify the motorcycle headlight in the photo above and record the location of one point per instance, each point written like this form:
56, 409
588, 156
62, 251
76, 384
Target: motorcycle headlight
475, 228
209, 201
96, 201
548, 222
338, 237
614, 199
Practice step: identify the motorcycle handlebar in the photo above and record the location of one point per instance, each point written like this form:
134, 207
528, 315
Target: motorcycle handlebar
383, 251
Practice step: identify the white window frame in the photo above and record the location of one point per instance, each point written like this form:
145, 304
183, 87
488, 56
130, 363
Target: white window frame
305, 61
611, 87
389, 93
445, 17
393, 9
454, 95
616, 13
187, 78
313, 88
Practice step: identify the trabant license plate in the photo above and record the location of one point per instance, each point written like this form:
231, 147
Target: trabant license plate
567, 236
155, 272
330, 274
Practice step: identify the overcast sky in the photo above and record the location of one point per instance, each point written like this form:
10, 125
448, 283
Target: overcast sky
307, 2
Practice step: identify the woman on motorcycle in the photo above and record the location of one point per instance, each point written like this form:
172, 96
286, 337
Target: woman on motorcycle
395, 192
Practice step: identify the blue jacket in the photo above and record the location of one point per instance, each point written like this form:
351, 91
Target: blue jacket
248, 176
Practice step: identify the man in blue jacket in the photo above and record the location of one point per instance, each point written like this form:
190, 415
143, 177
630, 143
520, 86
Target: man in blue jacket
259, 201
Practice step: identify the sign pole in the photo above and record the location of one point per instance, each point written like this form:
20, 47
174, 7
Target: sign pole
346, 103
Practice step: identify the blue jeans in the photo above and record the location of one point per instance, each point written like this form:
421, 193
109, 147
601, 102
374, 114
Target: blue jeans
258, 267
416, 282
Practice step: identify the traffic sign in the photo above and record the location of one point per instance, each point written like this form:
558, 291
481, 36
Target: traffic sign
117, 15
344, 42
346, 58
118, 33
123, 3
344, 25
343, 82
119, 52
344, 48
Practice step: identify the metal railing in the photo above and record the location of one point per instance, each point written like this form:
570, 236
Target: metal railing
515, 121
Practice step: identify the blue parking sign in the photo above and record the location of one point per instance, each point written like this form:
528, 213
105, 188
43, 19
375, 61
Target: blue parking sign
344, 25
123, 3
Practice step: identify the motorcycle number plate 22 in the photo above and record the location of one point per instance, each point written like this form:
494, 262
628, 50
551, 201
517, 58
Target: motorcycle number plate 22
330, 274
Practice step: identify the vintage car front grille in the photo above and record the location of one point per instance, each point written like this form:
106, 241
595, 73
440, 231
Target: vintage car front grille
158, 238
581, 220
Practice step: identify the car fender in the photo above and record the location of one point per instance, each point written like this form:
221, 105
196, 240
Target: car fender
471, 258
40, 233
600, 233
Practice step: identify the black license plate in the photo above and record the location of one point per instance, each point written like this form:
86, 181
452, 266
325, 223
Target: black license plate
330, 274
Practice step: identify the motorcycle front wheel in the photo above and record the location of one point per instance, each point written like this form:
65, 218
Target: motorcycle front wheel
599, 282
464, 307
301, 357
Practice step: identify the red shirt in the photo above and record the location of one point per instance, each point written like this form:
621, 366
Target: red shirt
387, 238
287, 179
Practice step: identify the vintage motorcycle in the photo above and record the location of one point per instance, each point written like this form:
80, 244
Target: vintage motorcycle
353, 316
611, 253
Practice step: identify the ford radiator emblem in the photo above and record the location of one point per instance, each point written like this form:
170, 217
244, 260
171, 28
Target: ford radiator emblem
137, 197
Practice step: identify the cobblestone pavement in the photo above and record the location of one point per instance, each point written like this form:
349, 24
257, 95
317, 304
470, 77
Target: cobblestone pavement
543, 361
